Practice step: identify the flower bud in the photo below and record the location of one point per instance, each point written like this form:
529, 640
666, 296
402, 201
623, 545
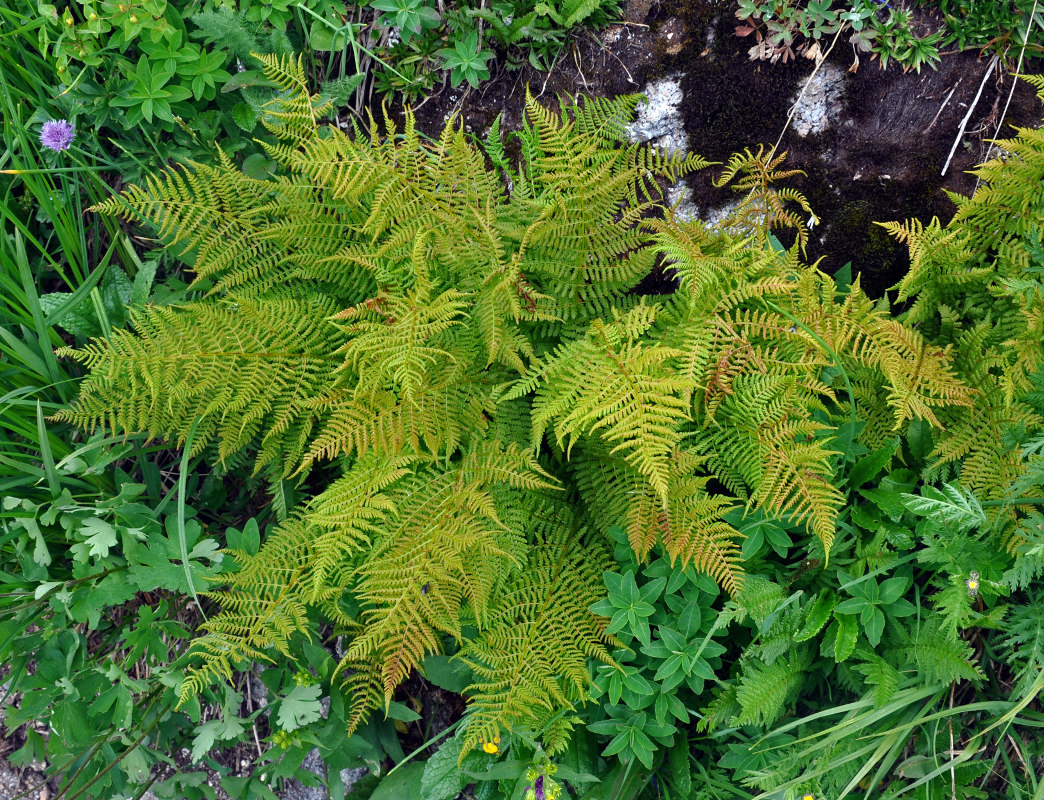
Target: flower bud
133, 18
69, 21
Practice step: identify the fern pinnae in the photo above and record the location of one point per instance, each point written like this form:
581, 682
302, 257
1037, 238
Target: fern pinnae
393, 307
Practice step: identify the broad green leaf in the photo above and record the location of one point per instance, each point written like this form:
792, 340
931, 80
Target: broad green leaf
405, 782
870, 466
442, 779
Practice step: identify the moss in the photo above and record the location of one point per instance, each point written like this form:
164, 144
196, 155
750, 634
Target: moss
848, 232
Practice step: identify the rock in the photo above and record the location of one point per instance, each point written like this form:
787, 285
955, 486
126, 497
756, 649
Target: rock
821, 102
659, 120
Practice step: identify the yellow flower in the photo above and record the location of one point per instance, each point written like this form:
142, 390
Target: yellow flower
492, 746
972, 583
808, 797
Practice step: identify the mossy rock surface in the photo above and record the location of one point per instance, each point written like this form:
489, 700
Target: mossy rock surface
879, 159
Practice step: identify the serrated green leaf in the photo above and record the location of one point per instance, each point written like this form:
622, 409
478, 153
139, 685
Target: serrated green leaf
847, 633
300, 707
818, 616
442, 779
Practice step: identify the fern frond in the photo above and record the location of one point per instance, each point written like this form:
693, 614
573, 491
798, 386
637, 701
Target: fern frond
608, 380
765, 689
532, 659
245, 370
294, 116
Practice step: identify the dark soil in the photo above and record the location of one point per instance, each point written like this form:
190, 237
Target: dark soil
879, 160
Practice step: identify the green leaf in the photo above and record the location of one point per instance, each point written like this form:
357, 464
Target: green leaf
444, 672
143, 280
951, 505
870, 466
216, 730
158, 563
852, 605
892, 589
919, 439
847, 633
402, 712
321, 36
259, 167
299, 708
874, 627
442, 779
818, 616
248, 77
69, 721
100, 536
403, 783
244, 116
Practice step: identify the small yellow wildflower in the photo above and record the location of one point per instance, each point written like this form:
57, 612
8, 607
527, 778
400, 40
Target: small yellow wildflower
492, 747
808, 797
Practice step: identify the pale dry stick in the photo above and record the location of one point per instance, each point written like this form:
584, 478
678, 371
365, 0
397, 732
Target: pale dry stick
250, 705
548, 76
1018, 753
793, 109
944, 104
579, 61
1014, 80
971, 110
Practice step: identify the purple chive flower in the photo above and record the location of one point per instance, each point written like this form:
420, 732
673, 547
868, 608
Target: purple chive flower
57, 134
538, 788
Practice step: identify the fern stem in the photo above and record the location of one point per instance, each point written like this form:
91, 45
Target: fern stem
182, 536
1024, 501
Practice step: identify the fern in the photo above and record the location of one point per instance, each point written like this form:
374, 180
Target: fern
975, 285
463, 350
764, 689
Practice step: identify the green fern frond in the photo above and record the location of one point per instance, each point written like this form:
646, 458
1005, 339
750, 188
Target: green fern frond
608, 380
532, 658
764, 207
294, 116
765, 689
247, 371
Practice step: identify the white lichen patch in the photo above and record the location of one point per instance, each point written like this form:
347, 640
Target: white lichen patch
678, 198
659, 121
821, 102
